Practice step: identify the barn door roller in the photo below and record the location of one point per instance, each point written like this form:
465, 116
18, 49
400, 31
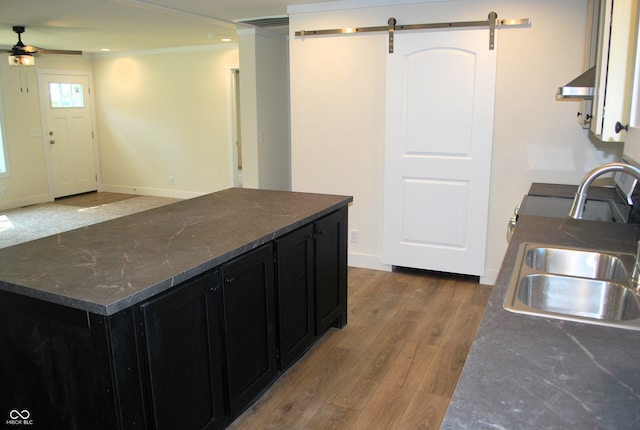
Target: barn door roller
492, 23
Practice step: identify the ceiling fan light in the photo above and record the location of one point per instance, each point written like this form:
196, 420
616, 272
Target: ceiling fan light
22, 60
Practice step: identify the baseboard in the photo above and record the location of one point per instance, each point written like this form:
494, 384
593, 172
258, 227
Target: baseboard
489, 277
26, 201
366, 261
148, 191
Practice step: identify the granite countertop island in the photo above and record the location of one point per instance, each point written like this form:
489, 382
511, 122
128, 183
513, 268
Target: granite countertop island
110, 266
175, 317
526, 372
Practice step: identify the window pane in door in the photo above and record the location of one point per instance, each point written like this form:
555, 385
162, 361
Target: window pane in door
66, 95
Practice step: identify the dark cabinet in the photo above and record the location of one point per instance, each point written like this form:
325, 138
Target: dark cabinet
211, 342
49, 354
331, 271
184, 357
296, 297
250, 325
312, 283
192, 357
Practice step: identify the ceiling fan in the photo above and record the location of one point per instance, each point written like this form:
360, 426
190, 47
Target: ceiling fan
22, 55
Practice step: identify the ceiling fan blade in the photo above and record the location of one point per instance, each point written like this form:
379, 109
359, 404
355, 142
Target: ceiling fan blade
21, 49
56, 51
28, 48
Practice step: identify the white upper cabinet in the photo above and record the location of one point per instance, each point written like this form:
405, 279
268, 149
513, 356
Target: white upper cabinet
635, 94
617, 40
632, 140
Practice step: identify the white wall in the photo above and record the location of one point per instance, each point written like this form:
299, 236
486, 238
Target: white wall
163, 114
264, 105
337, 103
159, 114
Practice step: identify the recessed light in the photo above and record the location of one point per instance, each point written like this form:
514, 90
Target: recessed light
105, 49
225, 39
212, 36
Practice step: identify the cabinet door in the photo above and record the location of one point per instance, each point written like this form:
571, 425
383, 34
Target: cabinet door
331, 271
614, 71
54, 366
249, 314
296, 325
184, 356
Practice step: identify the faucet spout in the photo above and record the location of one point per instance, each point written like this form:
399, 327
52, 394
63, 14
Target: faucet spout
580, 199
635, 273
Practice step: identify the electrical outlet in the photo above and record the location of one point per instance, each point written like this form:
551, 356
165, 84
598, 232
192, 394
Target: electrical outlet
170, 180
4, 192
353, 236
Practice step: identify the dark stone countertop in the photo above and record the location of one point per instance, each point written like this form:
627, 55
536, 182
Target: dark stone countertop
569, 191
526, 372
109, 266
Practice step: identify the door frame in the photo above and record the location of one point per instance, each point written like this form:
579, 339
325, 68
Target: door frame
43, 95
233, 125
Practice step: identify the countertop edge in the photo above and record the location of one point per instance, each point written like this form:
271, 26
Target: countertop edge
517, 363
112, 307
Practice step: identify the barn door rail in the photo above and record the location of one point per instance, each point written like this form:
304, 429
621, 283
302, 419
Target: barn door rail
492, 23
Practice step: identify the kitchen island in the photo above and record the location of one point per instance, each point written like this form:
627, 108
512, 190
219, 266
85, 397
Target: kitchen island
175, 317
527, 372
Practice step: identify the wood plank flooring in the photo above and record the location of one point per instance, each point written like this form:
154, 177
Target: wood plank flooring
394, 366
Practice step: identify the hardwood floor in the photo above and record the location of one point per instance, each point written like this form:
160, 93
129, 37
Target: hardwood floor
394, 366
87, 200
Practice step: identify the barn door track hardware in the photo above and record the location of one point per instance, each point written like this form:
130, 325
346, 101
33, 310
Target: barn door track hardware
492, 23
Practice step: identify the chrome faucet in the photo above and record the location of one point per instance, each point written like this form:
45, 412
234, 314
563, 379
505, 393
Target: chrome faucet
635, 274
579, 201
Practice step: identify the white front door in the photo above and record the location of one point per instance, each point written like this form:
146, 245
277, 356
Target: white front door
439, 125
68, 128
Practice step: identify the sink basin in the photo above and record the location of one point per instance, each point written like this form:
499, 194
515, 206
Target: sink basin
574, 284
588, 264
582, 297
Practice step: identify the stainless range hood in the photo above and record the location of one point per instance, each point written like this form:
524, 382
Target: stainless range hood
582, 87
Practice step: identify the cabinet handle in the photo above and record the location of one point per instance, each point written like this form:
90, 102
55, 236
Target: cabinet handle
320, 232
230, 280
619, 127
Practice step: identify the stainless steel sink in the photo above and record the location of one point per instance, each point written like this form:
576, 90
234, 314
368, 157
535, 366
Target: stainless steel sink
580, 297
574, 284
573, 262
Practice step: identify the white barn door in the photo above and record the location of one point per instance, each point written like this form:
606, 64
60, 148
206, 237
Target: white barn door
439, 126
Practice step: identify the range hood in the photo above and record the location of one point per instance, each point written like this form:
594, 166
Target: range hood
582, 87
